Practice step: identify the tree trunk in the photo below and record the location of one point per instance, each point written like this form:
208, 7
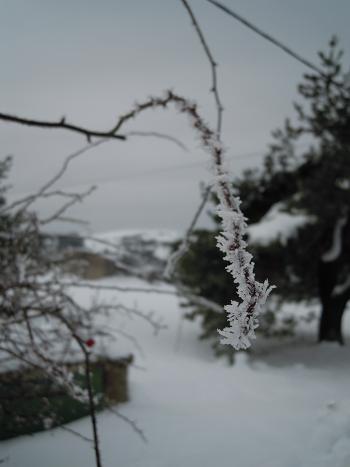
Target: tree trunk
330, 328
333, 306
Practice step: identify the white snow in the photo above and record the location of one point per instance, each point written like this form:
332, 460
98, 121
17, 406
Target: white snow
341, 288
335, 249
276, 224
287, 406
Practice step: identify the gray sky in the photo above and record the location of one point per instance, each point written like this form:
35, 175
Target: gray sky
90, 61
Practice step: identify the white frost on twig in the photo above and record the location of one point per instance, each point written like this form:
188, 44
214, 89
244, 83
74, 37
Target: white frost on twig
243, 316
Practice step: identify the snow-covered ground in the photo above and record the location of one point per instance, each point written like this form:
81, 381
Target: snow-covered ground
289, 406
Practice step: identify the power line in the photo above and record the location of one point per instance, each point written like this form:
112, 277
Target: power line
155, 171
267, 36
160, 170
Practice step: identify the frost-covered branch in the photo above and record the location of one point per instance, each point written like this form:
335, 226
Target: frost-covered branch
243, 316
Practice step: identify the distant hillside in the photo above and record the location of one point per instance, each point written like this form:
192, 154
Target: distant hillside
142, 253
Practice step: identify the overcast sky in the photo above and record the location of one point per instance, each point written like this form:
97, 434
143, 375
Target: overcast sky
90, 61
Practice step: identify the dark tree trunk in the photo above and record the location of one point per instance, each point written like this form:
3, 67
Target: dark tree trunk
330, 328
333, 306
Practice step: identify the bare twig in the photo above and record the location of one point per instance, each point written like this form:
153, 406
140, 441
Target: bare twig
214, 88
118, 288
73, 220
92, 407
156, 324
28, 200
156, 134
64, 207
184, 245
197, 299
63, 125
183, 248
68, 161
130, 422
75, 433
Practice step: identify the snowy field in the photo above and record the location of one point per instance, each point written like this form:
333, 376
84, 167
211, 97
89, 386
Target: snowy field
287, 406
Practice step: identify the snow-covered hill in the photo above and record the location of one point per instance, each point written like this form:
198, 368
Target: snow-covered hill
144, 252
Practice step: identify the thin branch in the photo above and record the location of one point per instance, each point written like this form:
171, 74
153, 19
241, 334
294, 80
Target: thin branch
127, 337
130, 422
156, 134
28, 200
93, 418
88, 373
67, 205
213, 65
157, 325
67, 162
75, 433
198, 300
118, 288
61, 124
183, 248
72, 220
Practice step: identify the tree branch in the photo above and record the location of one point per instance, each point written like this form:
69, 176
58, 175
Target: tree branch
61, 124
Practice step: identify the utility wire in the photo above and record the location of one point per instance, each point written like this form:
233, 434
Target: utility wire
158, 170
150, 172
267, 36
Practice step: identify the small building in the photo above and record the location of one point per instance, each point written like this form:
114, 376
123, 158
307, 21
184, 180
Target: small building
56, 243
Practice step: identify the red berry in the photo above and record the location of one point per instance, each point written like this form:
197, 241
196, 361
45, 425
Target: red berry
90, 342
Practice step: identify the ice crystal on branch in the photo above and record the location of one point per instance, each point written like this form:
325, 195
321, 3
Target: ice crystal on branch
243, 316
